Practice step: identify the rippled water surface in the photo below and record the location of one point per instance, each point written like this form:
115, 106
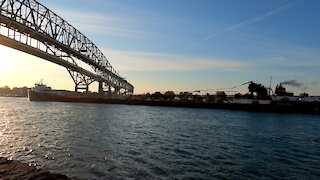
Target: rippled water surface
99, 141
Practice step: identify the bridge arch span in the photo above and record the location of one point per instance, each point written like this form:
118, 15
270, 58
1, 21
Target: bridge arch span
28, 26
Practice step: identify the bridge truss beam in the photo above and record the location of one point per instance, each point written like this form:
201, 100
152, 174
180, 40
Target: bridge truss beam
28, 26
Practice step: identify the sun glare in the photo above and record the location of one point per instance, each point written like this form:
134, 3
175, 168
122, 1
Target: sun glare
6, 59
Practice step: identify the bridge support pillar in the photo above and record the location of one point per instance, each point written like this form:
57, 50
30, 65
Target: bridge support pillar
100, 88
104, 89
85, 87
81, 81
116, 90
109, 89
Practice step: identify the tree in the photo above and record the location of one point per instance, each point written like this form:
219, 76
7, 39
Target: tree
169, 95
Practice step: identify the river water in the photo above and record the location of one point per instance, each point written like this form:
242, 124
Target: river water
100, 141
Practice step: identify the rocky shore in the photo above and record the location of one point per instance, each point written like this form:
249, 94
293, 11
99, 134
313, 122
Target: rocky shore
15, 170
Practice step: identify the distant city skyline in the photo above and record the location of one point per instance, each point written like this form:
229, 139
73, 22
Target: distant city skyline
187, 45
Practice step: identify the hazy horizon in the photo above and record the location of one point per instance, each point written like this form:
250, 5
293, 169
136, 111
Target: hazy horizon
187, 45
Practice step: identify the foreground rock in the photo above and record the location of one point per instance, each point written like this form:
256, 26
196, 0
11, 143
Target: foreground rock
14, 170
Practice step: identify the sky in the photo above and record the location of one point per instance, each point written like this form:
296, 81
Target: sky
187, 45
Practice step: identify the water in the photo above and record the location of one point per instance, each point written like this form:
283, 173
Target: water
99, 141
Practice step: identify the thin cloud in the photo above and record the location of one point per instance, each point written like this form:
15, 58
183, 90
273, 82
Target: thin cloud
306, 53
114, 31
98, 23
282, 61
149, 61
294, 56
251, 21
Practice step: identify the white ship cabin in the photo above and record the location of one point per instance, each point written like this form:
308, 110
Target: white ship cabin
295, 99
251, 101
40, 87
310, 99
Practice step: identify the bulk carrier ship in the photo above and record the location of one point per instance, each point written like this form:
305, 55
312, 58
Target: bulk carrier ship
280, 102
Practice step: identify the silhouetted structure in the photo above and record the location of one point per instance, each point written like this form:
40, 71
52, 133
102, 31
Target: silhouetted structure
281, 91
14, 92
259, 89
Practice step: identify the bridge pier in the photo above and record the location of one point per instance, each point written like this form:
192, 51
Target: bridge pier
116, 90
81, 81
100, 90
86, 88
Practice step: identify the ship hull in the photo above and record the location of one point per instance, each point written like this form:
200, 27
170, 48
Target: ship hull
306, 108
39, 96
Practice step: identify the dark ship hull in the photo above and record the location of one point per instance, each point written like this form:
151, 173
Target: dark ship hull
277, 107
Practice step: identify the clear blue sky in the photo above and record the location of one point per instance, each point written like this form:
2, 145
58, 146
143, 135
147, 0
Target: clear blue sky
207, 44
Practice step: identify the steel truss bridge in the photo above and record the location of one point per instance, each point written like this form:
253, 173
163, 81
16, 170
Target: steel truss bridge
30, 27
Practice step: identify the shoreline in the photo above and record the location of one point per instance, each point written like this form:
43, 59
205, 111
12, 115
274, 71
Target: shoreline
275, 107
13, 169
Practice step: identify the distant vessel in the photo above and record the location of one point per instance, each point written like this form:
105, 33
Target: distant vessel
42, 92
261, 103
